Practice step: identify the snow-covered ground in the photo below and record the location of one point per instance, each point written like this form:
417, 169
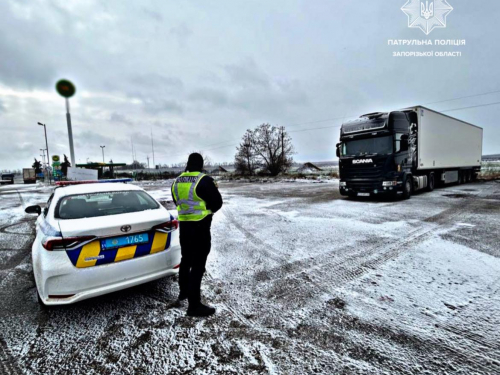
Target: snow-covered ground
304, 281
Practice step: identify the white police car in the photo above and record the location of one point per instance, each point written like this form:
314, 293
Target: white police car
97, 238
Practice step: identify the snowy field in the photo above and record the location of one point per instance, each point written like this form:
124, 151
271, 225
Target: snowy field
304, 282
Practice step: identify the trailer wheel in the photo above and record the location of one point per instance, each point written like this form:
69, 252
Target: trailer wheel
407, 188
430, 183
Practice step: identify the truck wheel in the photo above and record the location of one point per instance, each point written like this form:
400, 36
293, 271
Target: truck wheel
407, 188
430, 182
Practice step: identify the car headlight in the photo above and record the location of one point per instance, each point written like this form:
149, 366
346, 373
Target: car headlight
342, 184
389, 183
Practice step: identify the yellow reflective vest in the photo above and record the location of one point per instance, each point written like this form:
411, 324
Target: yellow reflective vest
189, 206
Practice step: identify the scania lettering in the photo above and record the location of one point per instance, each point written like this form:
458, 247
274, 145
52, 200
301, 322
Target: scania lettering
403, 151
362, 161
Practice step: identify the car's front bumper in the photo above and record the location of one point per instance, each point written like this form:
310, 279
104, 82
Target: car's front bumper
59, 282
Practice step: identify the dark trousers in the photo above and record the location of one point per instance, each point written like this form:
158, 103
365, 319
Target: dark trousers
195, 242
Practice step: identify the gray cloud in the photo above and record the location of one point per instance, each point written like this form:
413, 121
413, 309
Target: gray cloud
247, 74
202, 73
120, 119
156, 16
181, 33
159, 106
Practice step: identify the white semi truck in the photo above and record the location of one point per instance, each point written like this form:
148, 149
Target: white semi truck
403, 151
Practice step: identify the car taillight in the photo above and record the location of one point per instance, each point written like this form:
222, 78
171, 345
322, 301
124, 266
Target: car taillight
168, 226
59, 243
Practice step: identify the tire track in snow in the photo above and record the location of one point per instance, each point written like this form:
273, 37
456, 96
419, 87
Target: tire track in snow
358, 262
8, 364
253, 239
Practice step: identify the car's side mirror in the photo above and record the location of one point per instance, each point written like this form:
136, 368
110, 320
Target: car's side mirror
33, 210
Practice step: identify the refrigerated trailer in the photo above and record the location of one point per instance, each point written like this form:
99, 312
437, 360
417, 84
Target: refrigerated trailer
29, 175
403, 151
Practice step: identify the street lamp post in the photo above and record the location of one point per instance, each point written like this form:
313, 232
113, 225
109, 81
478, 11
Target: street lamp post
102, 148
43, 157
46, 147
66, 89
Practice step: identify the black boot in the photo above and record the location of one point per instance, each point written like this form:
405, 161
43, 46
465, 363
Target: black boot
200, 310
182, 296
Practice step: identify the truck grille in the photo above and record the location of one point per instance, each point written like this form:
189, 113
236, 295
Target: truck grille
371, 173
364, 185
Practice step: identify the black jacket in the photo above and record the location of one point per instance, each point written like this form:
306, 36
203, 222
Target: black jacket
208, 191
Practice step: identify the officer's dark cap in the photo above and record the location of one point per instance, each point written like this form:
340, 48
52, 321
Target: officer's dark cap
195, 163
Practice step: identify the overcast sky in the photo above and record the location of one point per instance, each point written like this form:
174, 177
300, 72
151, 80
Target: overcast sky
199, 73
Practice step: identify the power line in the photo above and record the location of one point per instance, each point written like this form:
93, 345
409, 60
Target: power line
343, 117
436, 102
474, 106
463, 97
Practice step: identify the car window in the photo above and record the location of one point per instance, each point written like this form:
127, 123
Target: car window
49, 201
104, 204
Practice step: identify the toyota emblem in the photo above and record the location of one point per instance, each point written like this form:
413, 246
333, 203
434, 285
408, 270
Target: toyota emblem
125, 228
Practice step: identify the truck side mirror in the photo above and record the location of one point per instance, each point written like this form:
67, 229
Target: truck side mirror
404, 143
33, 210
337, 151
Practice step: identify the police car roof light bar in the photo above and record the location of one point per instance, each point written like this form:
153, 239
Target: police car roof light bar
68, 183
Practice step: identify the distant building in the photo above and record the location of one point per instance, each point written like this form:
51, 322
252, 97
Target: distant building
309, 168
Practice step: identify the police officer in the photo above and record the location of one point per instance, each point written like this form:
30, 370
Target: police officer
197, 198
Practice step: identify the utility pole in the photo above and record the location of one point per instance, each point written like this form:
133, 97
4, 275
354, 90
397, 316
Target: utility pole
283, 148
43, 157
102, 148
153, 148
47, 148
132, 144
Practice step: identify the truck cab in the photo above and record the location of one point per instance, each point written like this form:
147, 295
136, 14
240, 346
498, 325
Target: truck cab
403, 151
376, 154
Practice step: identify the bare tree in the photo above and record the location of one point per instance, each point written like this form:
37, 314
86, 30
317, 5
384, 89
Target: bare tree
267, 146
245, 160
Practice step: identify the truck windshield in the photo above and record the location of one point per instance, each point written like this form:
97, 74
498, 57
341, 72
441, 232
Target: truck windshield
378, 145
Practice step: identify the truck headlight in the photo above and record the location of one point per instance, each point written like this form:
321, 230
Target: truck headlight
342, 184
389, 183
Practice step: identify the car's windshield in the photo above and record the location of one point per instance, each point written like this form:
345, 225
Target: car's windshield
103, 204
378, 145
